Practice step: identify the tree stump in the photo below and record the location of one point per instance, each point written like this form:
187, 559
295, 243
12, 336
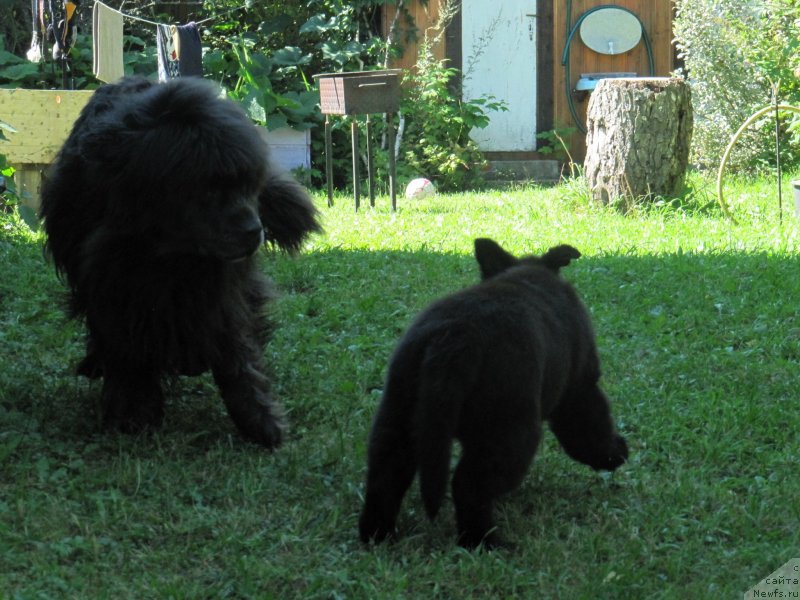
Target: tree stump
638, 135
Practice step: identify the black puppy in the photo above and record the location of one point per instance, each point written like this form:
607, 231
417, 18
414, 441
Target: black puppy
486, 366
153, 209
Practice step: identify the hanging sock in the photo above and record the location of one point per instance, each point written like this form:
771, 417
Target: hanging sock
35, 53
179, 51
65, 31
107, 63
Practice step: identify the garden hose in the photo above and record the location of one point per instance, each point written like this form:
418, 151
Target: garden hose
725, 155
571, 31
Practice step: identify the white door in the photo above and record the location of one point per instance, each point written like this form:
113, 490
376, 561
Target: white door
498, 44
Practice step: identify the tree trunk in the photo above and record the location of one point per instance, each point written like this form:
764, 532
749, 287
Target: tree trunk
638, 135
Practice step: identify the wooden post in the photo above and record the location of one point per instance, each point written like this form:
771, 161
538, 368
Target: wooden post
370, 165
638, 136
392, 161
356, 172
329, 160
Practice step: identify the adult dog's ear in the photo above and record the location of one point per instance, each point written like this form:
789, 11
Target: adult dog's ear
491, 258
287, 213
559, 256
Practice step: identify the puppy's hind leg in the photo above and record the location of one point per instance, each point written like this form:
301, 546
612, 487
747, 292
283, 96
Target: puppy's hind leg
488, 468
584, 427
247, 394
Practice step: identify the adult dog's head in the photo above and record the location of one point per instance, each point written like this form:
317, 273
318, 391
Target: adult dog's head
174, 169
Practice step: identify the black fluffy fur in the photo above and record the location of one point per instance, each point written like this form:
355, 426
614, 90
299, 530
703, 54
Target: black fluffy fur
486, 366
153, 210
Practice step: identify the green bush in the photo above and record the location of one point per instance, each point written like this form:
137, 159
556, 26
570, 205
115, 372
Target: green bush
735, 53
266, 56
438, 123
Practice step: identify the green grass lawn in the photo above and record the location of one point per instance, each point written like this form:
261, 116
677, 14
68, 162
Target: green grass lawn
698, 324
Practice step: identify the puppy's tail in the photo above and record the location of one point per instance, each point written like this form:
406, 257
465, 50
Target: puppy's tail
442, 388
287, 213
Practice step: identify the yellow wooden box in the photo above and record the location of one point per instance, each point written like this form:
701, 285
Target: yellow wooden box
42, 120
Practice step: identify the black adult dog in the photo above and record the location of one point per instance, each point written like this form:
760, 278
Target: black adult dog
153, 210
485, 366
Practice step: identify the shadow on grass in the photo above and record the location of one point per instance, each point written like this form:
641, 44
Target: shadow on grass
342, 309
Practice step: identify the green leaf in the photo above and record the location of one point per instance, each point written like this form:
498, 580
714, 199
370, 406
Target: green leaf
304, 106
133, 39
254, 106
7, 58
276, 121
219, 63
318, 24
341, 54
291, 56
19, 72
276, 25
258, 67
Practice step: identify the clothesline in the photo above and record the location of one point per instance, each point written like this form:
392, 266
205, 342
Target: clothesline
178, 47
156, 23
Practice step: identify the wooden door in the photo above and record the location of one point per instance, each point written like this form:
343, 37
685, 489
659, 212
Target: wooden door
498, 44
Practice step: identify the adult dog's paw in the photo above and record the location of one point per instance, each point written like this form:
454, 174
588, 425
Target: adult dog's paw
615, 455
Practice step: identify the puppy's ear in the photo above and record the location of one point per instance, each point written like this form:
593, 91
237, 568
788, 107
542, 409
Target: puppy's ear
491, 258
559, 256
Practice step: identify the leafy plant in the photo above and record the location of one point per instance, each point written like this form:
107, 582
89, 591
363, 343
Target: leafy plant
552, 142
8, 190
267, 54
438, 123
254, 86
346, 33
9, 196
736, 53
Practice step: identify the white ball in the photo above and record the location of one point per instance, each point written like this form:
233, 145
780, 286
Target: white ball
420, 188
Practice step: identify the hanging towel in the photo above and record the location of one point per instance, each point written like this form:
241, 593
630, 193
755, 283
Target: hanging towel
107, 43
179, 51
167, 56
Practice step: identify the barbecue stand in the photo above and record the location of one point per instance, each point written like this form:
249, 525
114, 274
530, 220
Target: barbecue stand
360, 93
